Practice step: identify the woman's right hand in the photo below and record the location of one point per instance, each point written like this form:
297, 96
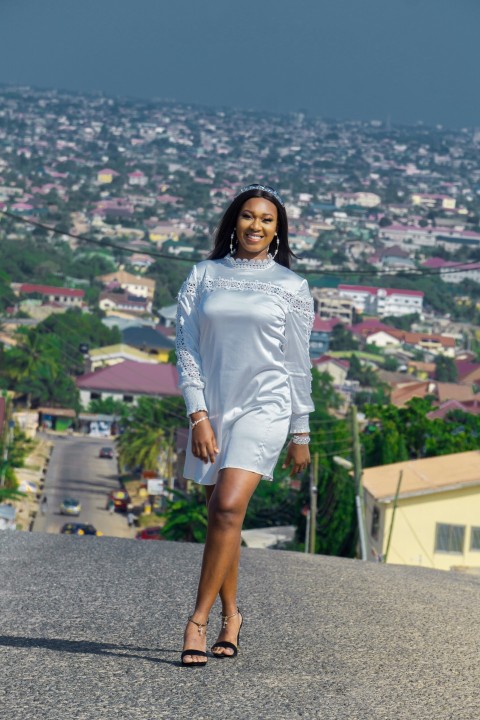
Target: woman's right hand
204, 442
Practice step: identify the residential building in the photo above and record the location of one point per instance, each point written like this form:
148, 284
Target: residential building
113, 302
335, 367
50, 294
453, 272
105, 176
332, 305
434, 200
149, 340
436, 522
141, 287
383, 301
407, 235
128, 381
114, 354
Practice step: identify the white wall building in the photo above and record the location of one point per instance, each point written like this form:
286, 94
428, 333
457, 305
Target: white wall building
383, 301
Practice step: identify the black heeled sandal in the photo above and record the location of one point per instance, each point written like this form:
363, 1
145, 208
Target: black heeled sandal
226, 643
201, 653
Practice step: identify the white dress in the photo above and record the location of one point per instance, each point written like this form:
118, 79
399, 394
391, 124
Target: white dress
243, 329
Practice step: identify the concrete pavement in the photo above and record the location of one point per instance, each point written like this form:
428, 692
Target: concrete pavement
92, 630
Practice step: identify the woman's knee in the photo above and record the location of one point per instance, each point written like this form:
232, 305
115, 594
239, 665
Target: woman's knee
226, 512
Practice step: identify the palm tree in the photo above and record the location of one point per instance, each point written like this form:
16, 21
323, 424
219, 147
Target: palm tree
10, 494
143, 439
25, 362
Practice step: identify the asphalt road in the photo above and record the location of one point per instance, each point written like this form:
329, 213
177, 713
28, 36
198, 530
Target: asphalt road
91, 629
76, 470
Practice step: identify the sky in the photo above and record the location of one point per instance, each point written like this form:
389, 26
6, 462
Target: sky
407, 60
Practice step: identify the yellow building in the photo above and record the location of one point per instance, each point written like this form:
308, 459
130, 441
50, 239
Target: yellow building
105, 177
114, 354
436, 523
434, 201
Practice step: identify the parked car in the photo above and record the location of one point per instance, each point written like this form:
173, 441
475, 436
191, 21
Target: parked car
120, 499
149, 533
80, 529
106, 452
70, 507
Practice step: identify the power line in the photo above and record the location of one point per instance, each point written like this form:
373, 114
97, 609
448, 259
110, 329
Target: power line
420, 272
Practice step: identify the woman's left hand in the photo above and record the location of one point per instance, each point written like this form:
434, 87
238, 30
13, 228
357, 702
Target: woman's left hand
299, 455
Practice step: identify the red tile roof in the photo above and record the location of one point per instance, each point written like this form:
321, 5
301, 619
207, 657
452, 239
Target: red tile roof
50, 290
133, 377
367, 327
328, 358
466, 368
450, 405
321, 325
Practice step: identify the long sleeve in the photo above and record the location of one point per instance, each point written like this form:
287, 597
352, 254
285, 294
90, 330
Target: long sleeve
189, 365
298, 327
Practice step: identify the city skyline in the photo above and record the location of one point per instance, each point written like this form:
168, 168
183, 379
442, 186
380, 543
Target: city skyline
412, 61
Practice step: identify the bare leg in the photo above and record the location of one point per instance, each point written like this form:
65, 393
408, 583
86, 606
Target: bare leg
228, 591
227, 506
228, 596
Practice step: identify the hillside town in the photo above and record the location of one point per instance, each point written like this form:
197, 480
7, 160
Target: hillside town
105, 204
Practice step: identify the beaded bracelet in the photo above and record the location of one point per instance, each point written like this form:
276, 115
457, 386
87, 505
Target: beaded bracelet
301, 439
196, 422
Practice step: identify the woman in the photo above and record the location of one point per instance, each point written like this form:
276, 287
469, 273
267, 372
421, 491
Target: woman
243, 328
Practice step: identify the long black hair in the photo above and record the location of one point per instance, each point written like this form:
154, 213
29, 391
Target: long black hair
228, 222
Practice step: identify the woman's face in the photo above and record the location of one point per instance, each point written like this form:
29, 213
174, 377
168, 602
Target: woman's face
256, 227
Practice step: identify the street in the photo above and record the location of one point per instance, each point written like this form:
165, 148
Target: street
76, 470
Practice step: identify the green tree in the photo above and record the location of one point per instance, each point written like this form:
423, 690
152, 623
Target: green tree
336, 521
109, 406
445, 369
186, 517
342, 339
397, 434
29, 363
143, 439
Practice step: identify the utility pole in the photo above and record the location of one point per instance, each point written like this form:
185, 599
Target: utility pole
170, 480
313, 502
395, 503
307, 532
359, 501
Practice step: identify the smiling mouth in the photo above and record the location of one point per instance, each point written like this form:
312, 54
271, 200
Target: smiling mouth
253, 237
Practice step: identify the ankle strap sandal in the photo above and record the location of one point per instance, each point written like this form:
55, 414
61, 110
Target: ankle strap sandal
226, 643
197, 653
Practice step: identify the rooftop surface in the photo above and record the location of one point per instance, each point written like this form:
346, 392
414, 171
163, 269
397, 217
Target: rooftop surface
92, 630
424, 476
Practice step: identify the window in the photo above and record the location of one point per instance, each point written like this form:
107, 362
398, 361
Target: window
128, 398
449, 538
95, 396
475, 539
375, 523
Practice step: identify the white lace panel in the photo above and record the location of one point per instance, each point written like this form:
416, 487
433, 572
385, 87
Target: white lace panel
295, 303
246, 264
299, 424
188, 366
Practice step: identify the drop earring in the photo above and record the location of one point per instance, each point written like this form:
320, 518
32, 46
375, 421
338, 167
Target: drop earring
276, 249
232, 237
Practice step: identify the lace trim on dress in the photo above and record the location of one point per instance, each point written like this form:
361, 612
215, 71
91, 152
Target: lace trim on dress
185, 360
299, 424
245, 263
296, 304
